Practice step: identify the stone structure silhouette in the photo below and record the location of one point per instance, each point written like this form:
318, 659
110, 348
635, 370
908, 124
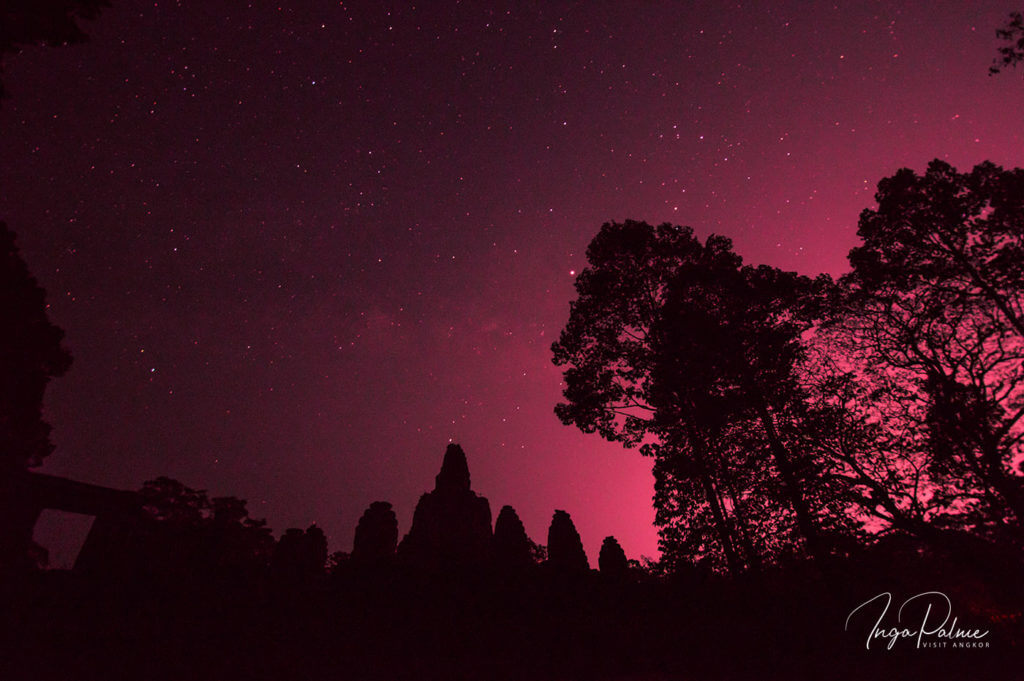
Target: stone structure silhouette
24, 496
299, 555
451, 527
512, 548
612, 559
376, 539
565, 548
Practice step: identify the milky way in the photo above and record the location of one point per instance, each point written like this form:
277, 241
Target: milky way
298, 249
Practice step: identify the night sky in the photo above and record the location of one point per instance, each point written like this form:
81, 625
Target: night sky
298, 247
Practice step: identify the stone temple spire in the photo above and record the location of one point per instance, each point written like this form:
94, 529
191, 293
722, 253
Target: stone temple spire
454, 473
451, 528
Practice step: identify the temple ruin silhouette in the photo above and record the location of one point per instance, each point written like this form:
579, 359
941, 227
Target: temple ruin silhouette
451, 529
451, 526
117, 513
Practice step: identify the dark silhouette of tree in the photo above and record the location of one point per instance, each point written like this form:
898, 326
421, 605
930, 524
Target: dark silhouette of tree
953, 236
31, 354
674, 341
936, 296
1010, 54
565, 549
187, 535
606, 346
512, 547
605, 343
43, 22
376, 539
290, 559
863, 422
612, 559
726, 348
169, 501
299, 556
338, 563
237, 545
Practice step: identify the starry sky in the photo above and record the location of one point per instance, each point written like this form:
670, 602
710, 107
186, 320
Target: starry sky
298, 247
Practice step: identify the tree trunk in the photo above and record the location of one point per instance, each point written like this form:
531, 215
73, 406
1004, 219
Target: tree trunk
804, 518
753, 557
717, 512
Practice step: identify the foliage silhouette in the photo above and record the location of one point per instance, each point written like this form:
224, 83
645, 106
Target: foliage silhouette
674, 344
889, 401
31, 353
1012, 53
936, 296
187, 536
607, 348
725, 350
605, 342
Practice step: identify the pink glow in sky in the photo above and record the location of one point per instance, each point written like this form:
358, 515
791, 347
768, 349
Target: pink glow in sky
298, 250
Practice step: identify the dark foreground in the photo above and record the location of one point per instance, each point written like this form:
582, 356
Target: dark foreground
389, 624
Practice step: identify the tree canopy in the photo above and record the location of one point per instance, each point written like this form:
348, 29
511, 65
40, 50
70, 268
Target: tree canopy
798, 417
673, 343
191, 533
31, 353
1011, 52
936, 296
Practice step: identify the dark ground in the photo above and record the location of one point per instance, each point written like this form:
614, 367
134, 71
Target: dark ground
386, 624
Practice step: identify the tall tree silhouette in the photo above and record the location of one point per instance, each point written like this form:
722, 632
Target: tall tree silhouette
565, 548
376, 537
31, 354
605, 344
673, 340
726, 346
606, 349
936, 295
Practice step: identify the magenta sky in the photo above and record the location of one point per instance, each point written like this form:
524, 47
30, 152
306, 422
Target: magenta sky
298, 250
